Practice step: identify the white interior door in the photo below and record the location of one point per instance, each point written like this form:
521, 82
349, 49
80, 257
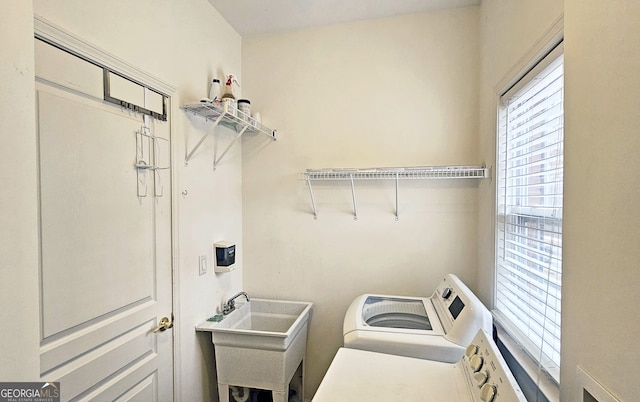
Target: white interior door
105, 239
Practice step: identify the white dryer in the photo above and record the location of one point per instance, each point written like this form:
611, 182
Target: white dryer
481, 375
434, 328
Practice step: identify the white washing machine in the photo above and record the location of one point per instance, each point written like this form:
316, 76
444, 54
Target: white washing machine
433, 328
481, 375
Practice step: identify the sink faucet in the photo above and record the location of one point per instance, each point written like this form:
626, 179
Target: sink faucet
230, 305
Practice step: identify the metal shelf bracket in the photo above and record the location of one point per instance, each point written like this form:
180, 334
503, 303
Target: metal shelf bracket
216, 161
353, 195
204, 137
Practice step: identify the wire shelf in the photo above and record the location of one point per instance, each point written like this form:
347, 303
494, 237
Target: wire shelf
229, 116
417, 172
389, 173
232, 117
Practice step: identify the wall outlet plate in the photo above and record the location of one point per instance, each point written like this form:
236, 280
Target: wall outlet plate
202, 264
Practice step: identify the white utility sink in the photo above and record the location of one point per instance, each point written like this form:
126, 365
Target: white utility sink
260, 324
261, 344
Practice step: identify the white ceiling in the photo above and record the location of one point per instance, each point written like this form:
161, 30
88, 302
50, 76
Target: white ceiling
250, 17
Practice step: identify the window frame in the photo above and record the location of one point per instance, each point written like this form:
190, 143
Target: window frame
514, 342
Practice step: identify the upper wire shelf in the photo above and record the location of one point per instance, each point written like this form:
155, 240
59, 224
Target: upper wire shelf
416, 172
232, 117
229, 116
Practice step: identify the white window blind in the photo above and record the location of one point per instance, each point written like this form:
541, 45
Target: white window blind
529, 211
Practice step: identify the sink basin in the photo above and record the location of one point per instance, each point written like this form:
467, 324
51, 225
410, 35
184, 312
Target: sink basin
261, 344
265, 322
260, 324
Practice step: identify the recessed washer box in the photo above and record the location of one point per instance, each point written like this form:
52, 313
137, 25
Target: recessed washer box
225, 252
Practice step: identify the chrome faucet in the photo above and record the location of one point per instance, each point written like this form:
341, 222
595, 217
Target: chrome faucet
230, 305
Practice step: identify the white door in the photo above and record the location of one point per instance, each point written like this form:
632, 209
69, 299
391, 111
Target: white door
105, 246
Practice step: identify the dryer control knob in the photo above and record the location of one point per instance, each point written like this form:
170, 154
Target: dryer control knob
446, 293
488, 393
481, 377
476, 363
471, 350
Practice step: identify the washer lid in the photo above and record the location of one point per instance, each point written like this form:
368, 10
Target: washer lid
392, 312
354, 319
357, 375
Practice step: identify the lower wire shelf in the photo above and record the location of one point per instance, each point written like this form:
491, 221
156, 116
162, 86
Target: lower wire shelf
390, 173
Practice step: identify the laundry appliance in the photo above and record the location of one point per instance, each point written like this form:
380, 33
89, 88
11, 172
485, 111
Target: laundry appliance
434, 328
481, 375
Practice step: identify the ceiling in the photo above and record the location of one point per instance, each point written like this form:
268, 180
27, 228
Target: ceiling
250, 17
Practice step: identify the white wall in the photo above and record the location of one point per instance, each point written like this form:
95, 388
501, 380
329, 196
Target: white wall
600, 268
509, 30
390, 92
18, 197
185, 44
601, 276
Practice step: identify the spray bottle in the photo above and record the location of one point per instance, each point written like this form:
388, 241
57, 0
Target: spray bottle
228, 91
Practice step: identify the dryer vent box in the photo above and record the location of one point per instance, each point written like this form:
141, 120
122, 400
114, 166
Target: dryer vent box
225, 256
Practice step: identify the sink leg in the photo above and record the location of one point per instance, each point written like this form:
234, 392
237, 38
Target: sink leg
223, 392
302, 377
297, 382
280, 396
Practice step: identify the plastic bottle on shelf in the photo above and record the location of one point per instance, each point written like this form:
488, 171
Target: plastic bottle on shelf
244, 105
228, 90
214, 91
228, 99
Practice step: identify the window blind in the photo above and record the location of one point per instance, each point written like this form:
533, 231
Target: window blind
529, 211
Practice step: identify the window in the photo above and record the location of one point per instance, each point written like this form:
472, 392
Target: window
529, 186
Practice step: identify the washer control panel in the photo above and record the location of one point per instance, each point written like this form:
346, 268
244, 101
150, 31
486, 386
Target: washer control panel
451, 297
489, 378
461, 313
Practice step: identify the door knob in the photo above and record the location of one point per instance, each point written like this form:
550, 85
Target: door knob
164, 325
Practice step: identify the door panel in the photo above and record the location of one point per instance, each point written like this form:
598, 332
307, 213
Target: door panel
99, 364
55, 353
95, 226
105, 249
142, 392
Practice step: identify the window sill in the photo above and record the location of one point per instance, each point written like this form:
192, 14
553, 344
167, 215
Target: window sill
545, 384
